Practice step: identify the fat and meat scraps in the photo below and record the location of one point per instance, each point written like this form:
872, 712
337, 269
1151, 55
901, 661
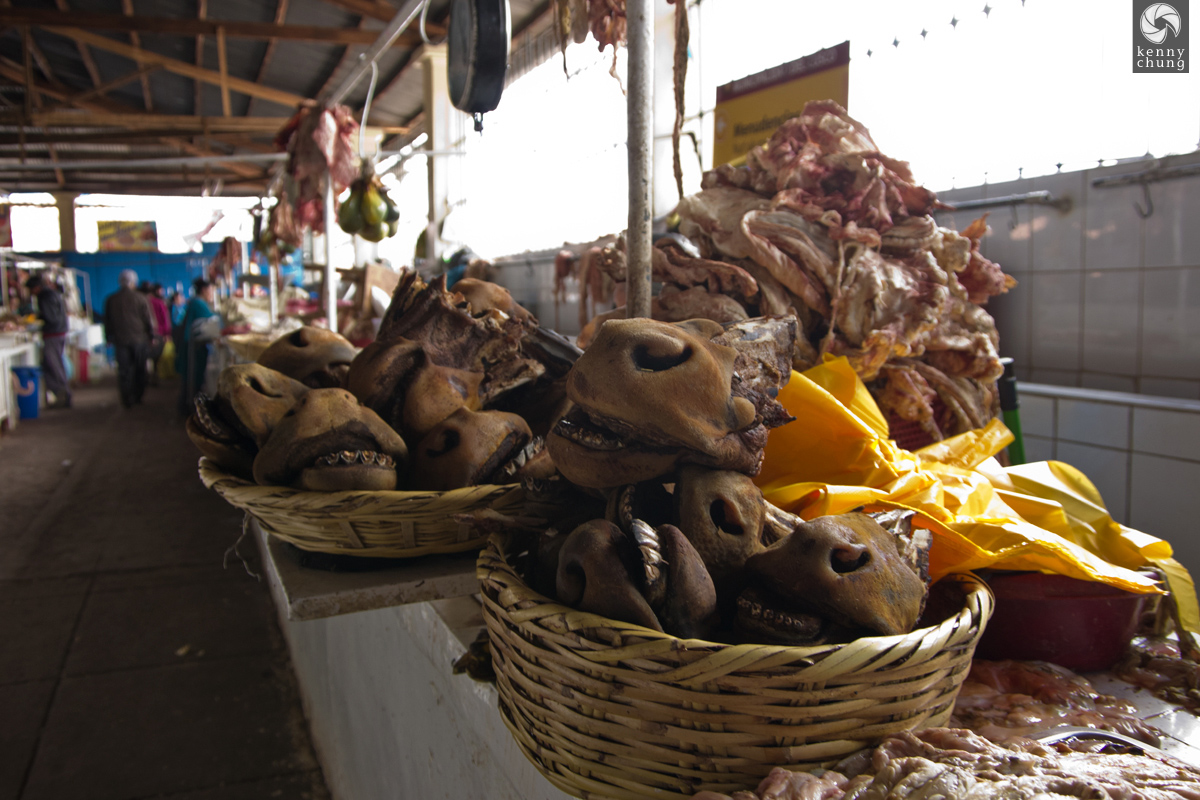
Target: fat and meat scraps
960, 765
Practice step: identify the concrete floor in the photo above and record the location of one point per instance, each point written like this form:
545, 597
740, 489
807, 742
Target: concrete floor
132, 664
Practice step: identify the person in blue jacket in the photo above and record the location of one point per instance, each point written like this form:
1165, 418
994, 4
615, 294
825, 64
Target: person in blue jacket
191, 351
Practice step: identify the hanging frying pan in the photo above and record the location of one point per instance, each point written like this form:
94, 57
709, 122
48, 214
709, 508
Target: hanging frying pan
477, 58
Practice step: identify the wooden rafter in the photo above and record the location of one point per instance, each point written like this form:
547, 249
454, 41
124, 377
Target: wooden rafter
108, 86
335, 72
100, 106
141, 121
136, 41
201, 26
179, 67
281, 8
85, 54
223, 70
198, 86
375, 9
250, 141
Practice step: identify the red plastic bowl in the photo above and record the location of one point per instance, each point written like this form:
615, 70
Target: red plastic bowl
1081, 625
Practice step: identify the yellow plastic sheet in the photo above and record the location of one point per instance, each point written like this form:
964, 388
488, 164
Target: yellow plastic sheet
1045, 516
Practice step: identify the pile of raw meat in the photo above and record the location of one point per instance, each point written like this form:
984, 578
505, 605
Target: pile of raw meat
818, 223
960, 765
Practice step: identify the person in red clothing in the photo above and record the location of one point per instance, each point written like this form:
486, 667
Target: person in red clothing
160, 315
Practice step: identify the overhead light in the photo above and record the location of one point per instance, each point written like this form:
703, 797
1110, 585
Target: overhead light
420, 140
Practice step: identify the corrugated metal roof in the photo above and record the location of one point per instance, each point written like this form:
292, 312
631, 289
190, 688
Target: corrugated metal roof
103, 82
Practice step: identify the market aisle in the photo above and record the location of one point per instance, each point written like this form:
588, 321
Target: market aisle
133, 665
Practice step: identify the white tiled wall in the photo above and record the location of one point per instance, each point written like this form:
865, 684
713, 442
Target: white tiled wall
1142, 453
1104, 299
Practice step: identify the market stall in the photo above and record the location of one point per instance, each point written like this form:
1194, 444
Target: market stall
757, 531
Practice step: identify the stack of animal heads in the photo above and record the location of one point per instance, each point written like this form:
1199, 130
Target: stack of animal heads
441, 363
446, 375
262, 425
713, 559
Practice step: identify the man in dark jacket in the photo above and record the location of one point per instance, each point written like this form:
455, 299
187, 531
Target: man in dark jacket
129, 329
53, 312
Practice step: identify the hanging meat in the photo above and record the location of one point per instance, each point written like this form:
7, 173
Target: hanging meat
840, 234
318, 140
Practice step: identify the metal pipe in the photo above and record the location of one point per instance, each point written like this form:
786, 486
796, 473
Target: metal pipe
189, 161
1038, 198
330, 272
639, 106
1148, 176
404, 17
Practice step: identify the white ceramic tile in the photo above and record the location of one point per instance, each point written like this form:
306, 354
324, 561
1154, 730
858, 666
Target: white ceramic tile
1110, 321
1037, 414
1083, 422
1012, 311
1038, 448
1108, 383
1169, 387
1172, 237
1057, 238
1162, 432
1107, 469
1171, 323
1008, 241
1055, 377
1056, 318
1162, 503
1112, 229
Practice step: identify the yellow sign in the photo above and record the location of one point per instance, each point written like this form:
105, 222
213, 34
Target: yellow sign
750, 109
116, 235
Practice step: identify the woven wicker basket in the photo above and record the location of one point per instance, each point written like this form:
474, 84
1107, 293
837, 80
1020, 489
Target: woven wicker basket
606, 709
378, 524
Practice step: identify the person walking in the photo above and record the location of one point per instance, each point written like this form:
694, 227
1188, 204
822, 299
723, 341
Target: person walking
55, 326
161, 316
130, 330
195, 332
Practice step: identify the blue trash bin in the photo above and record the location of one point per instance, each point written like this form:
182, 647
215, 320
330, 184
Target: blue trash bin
29, 390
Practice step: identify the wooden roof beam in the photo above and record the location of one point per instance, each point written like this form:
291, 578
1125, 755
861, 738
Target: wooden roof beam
201, 26
281, 9
107, 87
85, 54
136, 41
179, 67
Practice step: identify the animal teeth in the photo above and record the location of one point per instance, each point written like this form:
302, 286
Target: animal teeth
348, 456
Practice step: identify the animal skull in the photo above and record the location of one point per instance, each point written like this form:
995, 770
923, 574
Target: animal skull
474, 447
834, 577
650, 396
316, 357
649, 577
329, 441
250, 401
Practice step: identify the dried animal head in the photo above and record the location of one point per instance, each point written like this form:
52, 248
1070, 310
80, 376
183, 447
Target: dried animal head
650, 577
650, 396
485, 296
474, 447
230, 427
316, 357
835, 577
329, 441
723, 514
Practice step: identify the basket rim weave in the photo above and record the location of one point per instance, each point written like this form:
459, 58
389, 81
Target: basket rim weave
611, 709
381, 524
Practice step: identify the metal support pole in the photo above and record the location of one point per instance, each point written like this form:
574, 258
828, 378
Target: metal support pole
272, 286
640, 110
331, 277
